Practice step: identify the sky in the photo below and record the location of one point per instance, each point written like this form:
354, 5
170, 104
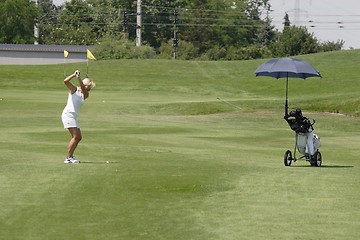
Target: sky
329, 20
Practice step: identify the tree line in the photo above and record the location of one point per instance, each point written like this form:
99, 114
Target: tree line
196, 29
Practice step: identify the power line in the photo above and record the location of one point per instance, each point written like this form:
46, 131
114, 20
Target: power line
160, 24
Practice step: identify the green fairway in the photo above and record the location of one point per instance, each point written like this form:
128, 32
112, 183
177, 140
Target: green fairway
182, 164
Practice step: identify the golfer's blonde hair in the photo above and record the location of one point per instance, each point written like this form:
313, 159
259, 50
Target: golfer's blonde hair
89, 83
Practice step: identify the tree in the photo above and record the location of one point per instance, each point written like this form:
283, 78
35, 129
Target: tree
46, 20
158, 20
286, 21
74, 25
259, 30
17, 19
295, 41
266, 33
212, 29
218, 23
107, 17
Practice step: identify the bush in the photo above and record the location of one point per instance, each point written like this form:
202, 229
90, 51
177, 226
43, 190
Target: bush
111, 48
249, 52
215, 53
184, 51
329, 46
234, 53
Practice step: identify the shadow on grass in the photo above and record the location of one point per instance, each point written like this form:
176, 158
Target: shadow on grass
99, 162
336, 166
323, 166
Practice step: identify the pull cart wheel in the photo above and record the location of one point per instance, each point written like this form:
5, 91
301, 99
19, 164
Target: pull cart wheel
287, 158
317, 159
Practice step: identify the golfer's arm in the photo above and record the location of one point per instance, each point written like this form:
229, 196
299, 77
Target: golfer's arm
68, 84
83, 88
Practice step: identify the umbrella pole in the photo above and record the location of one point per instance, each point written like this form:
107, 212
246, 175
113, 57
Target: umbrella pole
286, 100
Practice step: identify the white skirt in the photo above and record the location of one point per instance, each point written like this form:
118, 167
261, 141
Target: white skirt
69, 120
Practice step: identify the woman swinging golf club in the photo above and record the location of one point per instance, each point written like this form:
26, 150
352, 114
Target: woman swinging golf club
76, 98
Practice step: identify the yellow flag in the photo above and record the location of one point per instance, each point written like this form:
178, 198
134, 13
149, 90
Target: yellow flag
66, 53
89, 55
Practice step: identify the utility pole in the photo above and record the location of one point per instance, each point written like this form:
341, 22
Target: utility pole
297, 10
125, 23
138, 23
175, 39
36, 28
297, 13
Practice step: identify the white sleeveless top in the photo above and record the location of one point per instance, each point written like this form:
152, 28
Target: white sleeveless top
74, 102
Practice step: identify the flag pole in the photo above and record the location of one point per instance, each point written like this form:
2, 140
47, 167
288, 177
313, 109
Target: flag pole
65, 56
87, 66
64, 68
89, 56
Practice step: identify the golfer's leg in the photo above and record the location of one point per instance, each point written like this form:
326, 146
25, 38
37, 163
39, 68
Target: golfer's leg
75, 139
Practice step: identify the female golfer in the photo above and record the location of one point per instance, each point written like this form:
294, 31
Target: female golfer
76, 98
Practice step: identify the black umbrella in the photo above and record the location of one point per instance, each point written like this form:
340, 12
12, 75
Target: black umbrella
287, 68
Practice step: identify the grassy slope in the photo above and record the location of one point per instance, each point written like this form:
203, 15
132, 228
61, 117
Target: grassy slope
182, 164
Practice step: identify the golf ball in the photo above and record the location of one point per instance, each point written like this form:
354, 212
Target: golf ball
107, 161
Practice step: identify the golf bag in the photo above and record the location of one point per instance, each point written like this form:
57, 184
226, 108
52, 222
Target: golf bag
307, 142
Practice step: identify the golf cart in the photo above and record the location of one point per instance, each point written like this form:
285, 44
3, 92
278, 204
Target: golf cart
306, 141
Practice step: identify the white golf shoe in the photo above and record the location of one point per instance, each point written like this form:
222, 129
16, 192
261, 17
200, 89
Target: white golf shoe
71, 160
